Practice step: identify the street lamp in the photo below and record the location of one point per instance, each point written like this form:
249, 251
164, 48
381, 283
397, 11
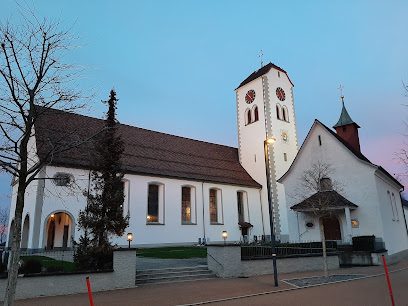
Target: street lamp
270, 140
225, 236
129, 238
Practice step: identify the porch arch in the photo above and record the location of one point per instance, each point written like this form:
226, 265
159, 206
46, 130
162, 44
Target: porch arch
59, 230
25, 232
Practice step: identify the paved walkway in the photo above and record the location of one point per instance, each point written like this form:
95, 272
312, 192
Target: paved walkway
258, 290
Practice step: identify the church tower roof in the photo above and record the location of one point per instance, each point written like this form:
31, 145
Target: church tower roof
345, 118
260, 72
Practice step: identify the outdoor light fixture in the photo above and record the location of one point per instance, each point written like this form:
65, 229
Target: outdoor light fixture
225, 236
52, 216
148, 218
129, 238
270, 140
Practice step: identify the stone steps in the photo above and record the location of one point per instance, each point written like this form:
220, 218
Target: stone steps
157, 276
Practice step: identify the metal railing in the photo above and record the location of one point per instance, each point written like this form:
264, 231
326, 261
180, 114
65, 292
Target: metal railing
249, 252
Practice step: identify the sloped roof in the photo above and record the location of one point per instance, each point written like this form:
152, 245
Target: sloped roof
146, 152
345, 118
335, 200
358, 154
260, 72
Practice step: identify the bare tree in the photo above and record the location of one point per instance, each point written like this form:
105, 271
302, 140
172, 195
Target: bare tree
318, 194
4, 217
34, 80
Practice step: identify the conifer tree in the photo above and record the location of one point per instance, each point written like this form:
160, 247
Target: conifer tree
103, 215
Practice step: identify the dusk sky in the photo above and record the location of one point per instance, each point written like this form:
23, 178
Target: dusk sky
175, 64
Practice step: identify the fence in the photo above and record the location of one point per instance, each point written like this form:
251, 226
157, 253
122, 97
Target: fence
249, 252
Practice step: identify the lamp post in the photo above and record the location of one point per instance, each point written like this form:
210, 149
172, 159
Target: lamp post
270, 140
225, 236
129, 238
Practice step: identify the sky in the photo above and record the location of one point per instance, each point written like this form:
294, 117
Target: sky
175, 64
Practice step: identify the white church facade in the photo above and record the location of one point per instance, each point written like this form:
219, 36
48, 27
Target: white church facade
368, 203
177, 190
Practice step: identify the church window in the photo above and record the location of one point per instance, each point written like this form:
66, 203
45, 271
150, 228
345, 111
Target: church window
248, 116
325, 184
344, 128
215, 206
285, 113
278, 111
256, 115
285, 157
155, 204
125, 205
63, 179
395, 205
278, 74
392, 206
240, 201
320, 140
188, 208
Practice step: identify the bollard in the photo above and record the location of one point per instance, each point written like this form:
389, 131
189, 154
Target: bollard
89, 291
388, 280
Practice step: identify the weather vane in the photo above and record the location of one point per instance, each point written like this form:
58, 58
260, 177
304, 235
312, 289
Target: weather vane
260, 56
341, 92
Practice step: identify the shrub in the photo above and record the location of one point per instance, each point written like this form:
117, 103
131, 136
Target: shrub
30, 266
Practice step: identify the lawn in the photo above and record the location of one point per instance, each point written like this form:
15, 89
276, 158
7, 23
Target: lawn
50, 262
173, 252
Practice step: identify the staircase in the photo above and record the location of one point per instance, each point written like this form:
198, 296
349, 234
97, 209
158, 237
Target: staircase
158, 276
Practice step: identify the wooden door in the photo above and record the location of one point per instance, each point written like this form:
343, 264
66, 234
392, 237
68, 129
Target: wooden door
331, 228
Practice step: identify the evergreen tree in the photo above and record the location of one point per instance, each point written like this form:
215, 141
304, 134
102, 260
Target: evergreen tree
103, 216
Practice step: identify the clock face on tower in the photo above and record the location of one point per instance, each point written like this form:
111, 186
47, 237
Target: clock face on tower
250, 96
280, 94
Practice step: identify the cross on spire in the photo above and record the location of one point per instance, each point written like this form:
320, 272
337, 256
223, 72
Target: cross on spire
260, 56
341, 92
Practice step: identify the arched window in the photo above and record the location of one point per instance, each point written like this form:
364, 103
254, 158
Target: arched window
256, 115
155, 203
278, 111
248, 116
285, 113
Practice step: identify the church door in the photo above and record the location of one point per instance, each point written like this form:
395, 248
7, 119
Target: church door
331, 228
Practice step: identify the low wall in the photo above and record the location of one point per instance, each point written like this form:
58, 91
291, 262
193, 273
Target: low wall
225, 261
123, 276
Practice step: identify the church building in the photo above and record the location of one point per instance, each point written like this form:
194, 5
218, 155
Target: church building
367, 203
177, 190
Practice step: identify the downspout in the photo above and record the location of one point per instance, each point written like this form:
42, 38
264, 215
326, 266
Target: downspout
202, 201
298, 225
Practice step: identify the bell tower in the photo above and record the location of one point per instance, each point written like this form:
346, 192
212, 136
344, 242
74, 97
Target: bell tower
347, 129
265, 108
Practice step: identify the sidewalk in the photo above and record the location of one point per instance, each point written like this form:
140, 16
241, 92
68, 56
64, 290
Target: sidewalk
374, 288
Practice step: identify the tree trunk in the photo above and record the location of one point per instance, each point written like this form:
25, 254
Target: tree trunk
326, 271
15, 246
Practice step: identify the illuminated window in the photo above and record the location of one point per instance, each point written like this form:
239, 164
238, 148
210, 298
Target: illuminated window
355, 223
186, 204
213, 206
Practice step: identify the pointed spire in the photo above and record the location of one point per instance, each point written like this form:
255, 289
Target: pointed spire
345, 118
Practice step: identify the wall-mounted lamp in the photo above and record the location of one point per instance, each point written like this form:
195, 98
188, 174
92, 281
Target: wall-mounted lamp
225, 236
129, 238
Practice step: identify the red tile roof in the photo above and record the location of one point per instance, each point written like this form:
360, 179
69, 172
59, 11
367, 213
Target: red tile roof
146, 152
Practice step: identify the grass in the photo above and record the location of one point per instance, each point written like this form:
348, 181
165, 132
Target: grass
50, 262
173, 252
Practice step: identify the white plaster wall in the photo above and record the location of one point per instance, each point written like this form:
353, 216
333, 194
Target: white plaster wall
172, 231
356, 176
393, 226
